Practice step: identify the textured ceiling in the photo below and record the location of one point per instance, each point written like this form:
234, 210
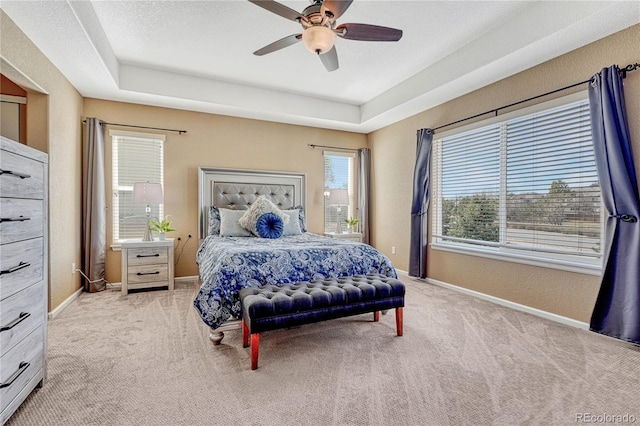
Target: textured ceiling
197, 55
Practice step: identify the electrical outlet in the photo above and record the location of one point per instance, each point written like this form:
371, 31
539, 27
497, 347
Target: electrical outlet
73, 268
393, 250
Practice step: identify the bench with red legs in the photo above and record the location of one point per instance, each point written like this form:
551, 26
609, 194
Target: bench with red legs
273, 307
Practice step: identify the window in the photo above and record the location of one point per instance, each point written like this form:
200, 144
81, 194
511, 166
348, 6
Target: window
523, 188
137, 157
339, 190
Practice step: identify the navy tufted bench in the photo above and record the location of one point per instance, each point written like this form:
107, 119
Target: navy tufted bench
273, 307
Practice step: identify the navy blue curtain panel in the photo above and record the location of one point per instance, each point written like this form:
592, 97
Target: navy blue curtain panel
420, 204
617, 309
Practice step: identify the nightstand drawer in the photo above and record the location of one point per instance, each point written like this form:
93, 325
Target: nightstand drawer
20, 314
21, 219
147, 255
147, 273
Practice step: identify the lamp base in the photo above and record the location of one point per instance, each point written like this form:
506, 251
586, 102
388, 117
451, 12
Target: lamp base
147, 233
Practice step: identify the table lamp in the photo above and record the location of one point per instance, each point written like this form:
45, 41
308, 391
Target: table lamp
338, 197
147, 193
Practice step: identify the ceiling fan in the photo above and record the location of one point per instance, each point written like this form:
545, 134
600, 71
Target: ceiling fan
319, 24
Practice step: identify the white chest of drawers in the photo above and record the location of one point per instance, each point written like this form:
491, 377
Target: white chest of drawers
147, 264
24, 275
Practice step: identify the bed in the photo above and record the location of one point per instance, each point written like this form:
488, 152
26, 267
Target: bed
229, 263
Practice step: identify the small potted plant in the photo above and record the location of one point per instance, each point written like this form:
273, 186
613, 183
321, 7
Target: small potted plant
162, 227
352, 223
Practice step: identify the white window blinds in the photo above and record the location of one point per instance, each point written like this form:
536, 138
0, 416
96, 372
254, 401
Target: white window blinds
528, 184
339, 189
137, 157
553, 194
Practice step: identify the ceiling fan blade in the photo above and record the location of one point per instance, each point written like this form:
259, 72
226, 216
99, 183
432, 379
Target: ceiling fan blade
278, 9
280, 44
336, 7
330, 59
368, 32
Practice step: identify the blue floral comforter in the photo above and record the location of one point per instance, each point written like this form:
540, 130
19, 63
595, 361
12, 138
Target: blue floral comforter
228, 264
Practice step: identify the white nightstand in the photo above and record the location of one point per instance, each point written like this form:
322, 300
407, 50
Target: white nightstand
351, 236
147, 264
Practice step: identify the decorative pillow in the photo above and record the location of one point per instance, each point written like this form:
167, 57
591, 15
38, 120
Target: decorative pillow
293, 227
229, 226
269, 225
301, 216
259, 207
214, 221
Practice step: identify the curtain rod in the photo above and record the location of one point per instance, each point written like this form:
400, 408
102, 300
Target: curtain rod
141, 127
331, 147
623, 72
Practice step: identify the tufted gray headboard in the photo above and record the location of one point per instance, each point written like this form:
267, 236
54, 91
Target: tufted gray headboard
237, 189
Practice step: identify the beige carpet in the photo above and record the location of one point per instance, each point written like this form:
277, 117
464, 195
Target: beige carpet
145, 359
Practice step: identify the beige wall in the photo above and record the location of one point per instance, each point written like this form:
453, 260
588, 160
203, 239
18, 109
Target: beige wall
54, 127
218, 141
393, 149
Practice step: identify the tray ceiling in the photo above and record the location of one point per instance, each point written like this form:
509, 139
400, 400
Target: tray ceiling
197, 55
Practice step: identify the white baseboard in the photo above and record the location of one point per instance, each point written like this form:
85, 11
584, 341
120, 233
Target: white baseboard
192, 278
51, 315
507, 303
189, 279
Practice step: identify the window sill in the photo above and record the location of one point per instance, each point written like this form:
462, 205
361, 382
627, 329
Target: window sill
116, 247
527, 259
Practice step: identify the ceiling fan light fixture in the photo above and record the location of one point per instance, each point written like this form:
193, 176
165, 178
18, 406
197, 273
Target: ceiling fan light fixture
318, 39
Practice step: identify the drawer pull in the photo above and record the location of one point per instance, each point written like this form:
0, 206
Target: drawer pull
23, 316
148, 255
16, 174
148, 273
21, 369
14, 219
19, 266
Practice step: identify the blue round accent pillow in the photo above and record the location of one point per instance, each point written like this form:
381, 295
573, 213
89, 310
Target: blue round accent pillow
269, 225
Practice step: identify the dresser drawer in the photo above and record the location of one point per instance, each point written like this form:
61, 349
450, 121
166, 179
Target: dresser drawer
147, 273
19, 365
20, 314
20, 219
147, 255
21, 264
21, 177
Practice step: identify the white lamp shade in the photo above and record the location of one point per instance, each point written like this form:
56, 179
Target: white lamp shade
147, 193
318, 39
338, 197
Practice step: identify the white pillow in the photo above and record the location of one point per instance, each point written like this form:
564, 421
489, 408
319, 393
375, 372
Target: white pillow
229, 226
293, 227
259, 207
